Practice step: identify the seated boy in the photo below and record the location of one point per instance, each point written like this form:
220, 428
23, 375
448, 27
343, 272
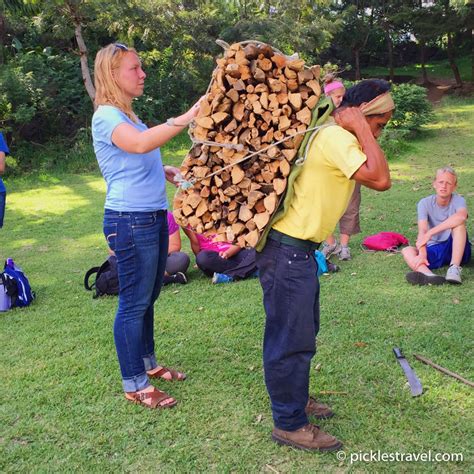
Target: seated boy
442, 236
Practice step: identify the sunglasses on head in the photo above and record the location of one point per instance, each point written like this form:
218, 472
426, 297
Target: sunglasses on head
120, 46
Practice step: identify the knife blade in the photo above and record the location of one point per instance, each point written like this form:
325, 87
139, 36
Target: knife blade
414, 382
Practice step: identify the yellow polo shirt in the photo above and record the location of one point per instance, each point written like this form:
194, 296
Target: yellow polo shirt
323, 188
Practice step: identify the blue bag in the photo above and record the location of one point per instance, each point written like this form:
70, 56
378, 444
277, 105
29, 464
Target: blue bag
20, 291
321, 261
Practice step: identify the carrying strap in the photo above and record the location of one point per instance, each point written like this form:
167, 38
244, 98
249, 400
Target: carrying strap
89, 273
393, 249
320, 115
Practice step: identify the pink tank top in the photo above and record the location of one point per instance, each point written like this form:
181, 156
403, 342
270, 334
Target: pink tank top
206, 243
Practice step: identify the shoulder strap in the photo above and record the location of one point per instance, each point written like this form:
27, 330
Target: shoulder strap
90, 272
319, 116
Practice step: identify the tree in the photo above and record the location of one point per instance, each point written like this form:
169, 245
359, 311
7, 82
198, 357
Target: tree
357, 24
72, 8
15, 7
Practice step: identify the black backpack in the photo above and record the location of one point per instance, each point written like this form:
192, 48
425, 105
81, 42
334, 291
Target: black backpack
106, 281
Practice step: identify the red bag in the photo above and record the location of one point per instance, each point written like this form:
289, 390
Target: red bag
389, 241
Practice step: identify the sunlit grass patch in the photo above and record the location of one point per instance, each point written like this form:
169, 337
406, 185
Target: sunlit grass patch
63, 410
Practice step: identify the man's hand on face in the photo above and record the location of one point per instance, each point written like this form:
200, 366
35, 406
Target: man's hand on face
350, 118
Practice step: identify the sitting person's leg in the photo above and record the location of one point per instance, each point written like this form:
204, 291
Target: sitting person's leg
177, 264
422, 274
412, 259
461, 246
460, 253
210, 262
240, 266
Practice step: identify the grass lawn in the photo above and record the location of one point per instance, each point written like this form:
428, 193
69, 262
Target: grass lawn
62, 408
435, 69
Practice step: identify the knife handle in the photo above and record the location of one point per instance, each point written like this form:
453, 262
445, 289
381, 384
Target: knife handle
398, 353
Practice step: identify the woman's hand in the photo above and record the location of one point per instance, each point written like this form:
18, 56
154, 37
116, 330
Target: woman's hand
172, 174
188, 116
230, 252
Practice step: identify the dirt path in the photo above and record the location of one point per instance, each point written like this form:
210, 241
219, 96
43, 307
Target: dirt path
437, 88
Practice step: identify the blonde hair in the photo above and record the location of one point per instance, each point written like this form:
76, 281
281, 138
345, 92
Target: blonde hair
447, 169
107, 91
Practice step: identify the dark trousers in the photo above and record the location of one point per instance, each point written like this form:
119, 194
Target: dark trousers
241, 265
291, 300
2, 206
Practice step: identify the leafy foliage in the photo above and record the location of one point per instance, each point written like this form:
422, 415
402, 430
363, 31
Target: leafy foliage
69, 415
412, 107
35, 102
42, 94
412, 110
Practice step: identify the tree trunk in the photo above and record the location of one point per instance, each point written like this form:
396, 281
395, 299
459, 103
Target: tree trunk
86, 74
423, 62
357, 63
2, 38
390, 54
452, 62
472, 43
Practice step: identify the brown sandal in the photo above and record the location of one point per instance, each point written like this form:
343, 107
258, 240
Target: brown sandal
175, 375
155, 397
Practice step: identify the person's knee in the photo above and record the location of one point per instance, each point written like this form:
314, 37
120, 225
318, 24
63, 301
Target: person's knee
408, 253
177, 262
459, 230
204, 261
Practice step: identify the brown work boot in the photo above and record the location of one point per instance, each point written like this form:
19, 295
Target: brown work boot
309, 438
319, 410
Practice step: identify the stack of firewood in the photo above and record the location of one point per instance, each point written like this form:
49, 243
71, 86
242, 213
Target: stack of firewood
257, 98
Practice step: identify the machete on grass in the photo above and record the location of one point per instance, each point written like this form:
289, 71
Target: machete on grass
413, 380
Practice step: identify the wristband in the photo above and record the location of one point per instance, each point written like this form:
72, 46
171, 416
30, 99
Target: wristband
172, 123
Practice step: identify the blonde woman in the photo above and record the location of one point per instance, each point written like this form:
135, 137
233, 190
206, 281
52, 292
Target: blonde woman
135, 222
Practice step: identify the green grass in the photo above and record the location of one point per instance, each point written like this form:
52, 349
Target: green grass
435, 69
62, 409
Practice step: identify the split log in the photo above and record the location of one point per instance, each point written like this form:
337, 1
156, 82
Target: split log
256, 98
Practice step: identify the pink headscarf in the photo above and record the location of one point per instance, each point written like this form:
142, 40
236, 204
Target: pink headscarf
333, 86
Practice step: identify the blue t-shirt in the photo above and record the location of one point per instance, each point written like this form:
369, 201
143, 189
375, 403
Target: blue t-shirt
135, 181
4, 148
429, 210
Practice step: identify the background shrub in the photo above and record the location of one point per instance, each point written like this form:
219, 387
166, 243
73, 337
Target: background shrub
42, 96
412, 107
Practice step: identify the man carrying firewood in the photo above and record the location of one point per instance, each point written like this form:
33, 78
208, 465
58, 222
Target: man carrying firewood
340, 155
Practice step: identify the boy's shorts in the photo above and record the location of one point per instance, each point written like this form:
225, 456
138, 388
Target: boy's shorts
440, 254
2, 207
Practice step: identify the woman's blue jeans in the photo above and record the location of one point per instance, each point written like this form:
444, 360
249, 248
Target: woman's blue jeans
140, 242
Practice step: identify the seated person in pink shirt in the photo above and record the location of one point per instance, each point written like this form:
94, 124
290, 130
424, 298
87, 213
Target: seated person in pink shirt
177, 262
222, 261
